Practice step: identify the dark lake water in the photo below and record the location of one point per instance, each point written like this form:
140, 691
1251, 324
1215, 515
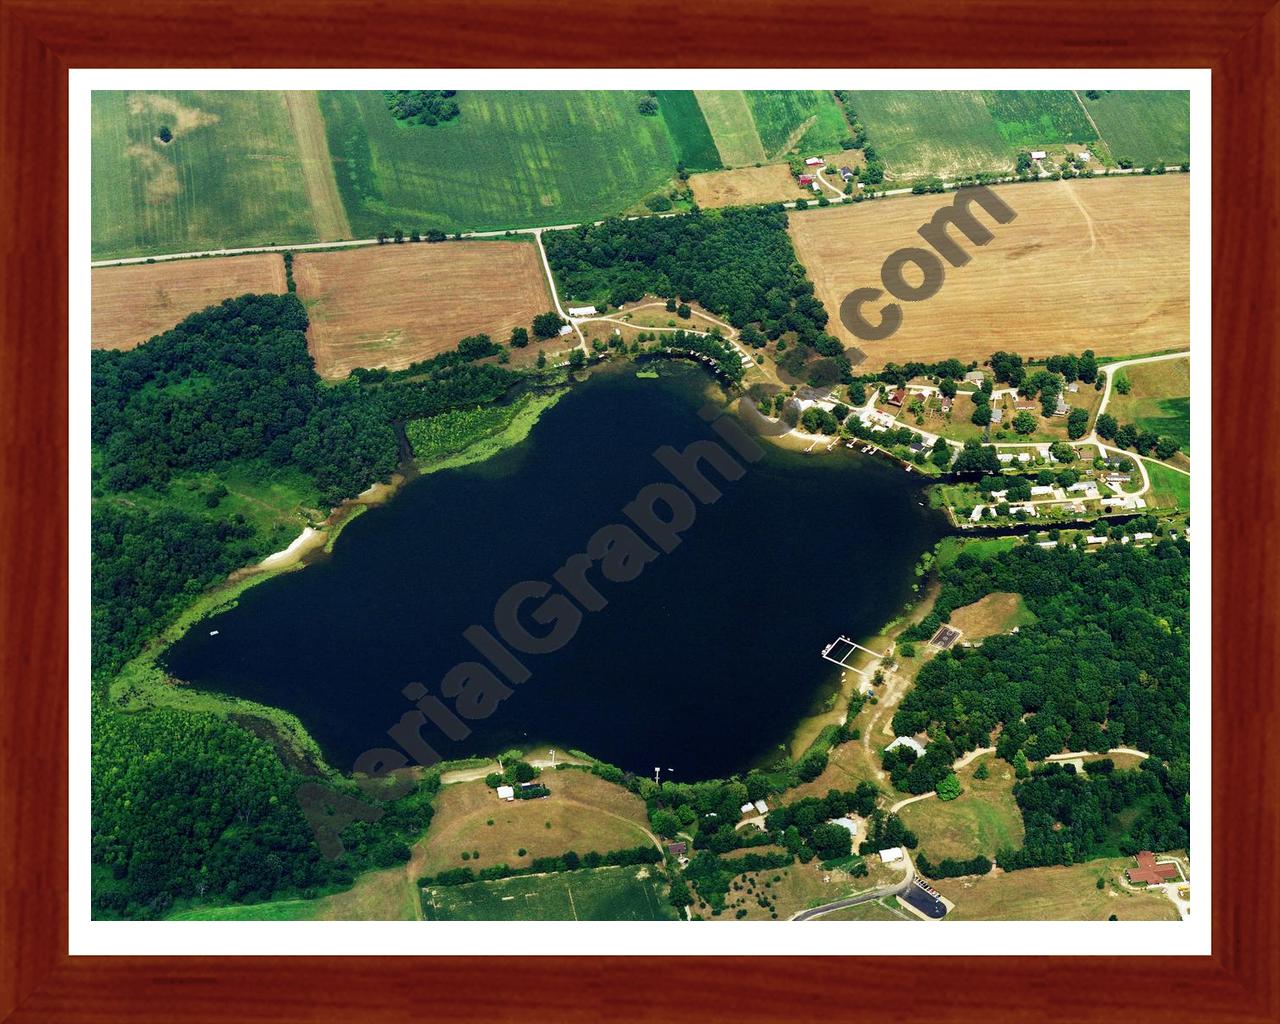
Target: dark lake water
704, 663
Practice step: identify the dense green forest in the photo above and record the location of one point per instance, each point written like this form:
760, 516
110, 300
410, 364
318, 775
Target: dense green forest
1071, 817
1105, 664
191, 806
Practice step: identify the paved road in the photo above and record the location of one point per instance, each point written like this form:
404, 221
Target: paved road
351, 242
863, 897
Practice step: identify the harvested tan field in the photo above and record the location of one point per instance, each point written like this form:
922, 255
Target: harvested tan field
392, 305
133, 303
745, 186
1101, 264
317, 168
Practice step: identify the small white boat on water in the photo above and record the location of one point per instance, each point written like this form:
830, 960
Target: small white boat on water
213, 632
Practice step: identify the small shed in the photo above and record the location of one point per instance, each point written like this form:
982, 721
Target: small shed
762, 807
748, 808
566, 329
1038, 154
506, 793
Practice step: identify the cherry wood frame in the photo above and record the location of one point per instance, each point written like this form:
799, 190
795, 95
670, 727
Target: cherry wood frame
40, 39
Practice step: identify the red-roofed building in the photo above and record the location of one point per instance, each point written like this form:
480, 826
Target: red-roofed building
1149, 871
898, 397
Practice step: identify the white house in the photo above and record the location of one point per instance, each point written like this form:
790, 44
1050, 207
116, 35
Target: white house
1038, 154
975, 377
892, 854
582, 310
762, 807
566, 329
906, 741
1095, 540
1143, 536
814, 161
506, 793
748, 808
1043, 489
816, 187
976, 514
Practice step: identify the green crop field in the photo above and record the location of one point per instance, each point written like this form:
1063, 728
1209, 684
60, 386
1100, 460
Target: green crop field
729, 120
1145, 127
806, 121
694, 146
230, 176
920, 134
599, 894
1030, 119
511, 159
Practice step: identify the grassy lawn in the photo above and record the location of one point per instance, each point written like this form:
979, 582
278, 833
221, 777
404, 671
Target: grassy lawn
995, 613
232, 174
804, 121
598, 894
949, 548
918, 134
876, 910
1169, 488
1159, 400
1054, 894
1035, 119
584, 813
982, 820
797, 887
1144, 126
511, 159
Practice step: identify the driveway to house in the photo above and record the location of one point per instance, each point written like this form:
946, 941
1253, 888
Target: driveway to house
862, 897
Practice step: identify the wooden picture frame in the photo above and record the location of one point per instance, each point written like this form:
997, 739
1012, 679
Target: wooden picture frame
41, 39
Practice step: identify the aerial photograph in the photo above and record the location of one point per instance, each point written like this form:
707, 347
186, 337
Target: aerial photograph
732, 505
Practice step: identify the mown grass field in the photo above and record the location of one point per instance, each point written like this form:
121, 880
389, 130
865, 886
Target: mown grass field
1169, 488
1054, 894
803, 121
134, 303
729, 120
584, 813
1034, 119
1159, 400
694, 146
510, 159
597, 894
392, 305
231, 176
1144, 126
983, 819
1126, 243
876, 910
918, 134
